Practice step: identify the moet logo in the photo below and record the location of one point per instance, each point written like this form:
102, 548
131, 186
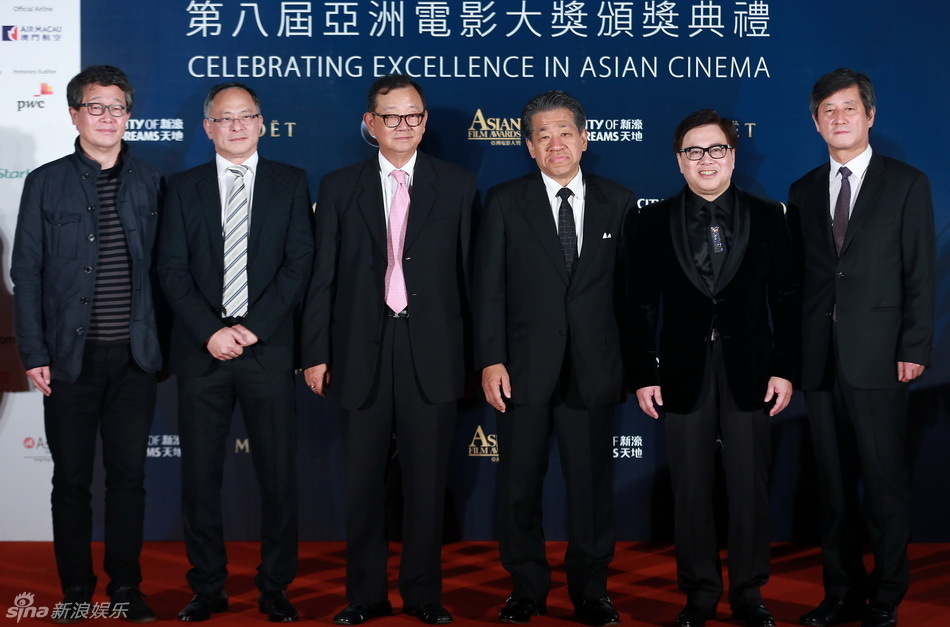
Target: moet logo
483, 445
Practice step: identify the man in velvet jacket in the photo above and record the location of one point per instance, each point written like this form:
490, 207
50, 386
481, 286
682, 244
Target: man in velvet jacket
717, 262
226, 350
384, 330
868, 314
548, 287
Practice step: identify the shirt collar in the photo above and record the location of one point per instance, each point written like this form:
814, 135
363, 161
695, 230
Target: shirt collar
223, 164
576, 185
858, 165
385, 167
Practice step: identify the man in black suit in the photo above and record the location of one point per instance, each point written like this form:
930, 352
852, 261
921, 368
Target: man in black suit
548, 265
235, 253
867, 234
387, 314
717, 262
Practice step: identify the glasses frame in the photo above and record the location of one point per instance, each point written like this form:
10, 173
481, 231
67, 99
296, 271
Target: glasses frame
243, 119
402, 118
724, 147
122, 109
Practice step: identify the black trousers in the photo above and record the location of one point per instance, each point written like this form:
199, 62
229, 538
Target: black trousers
584, 442
692, 447
423, 433
205, 408
115, 399
860, 441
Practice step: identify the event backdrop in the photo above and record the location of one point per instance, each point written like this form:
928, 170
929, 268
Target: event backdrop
638, 66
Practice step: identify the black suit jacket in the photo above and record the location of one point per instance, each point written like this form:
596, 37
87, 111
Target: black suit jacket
191, 263
754, 304
345, 305
881, 288
527, 308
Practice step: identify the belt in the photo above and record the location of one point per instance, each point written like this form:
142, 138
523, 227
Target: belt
402, 314
714, 335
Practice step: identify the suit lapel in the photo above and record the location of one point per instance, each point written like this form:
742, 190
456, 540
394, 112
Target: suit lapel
422, 198
680, 240
595, 227
536, 209
818, 199
264, 190
740, 241
369, 198
870, 187
209, 197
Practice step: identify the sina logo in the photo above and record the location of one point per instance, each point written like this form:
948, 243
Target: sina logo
11, 33
23, 608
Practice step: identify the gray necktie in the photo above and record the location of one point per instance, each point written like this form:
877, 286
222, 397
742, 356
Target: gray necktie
235, 246
565, 229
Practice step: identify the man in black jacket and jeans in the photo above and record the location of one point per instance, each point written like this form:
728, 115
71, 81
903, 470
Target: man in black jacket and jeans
87, 335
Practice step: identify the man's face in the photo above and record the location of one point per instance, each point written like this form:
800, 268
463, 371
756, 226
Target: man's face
100, 132
235, 140
707, 177
397, 144
844, 123
556, 144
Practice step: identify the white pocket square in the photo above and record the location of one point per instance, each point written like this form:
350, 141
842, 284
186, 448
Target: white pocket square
608, 236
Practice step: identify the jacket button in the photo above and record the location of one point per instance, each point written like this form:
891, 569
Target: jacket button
839, 275
827, 314
84, 300
80, 331
375, 340
92, 237
90, 208
87, 269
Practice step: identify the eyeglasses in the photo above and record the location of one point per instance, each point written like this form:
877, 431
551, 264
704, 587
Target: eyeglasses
695, 153
243, 119
392, 120
97, 108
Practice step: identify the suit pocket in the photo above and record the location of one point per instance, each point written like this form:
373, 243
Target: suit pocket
63, 229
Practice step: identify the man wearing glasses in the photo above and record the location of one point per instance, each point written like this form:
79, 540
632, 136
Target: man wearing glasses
87, 336
384, 327
234, 256
716, 263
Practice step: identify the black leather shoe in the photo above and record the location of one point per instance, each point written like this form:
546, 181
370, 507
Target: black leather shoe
127, 603
203, 605
754, 616
73, 598
880, 615
431, 614
693, 616
597, 612
277, 607
519, 610
359, 614
832, 611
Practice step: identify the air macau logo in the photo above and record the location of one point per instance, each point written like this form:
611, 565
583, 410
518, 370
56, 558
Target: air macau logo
483, 444
497, 131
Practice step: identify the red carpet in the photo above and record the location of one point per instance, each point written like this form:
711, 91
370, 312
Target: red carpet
642, 584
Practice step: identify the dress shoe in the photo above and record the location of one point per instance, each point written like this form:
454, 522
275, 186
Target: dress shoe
277, 607
880, 615
693, 616
754, 616
431, 614
203, 605
359, 614
832, 611
126, 602
519, 610
73, 597
597, 612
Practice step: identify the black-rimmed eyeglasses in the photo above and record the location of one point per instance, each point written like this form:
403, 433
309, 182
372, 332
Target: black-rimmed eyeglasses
695, 153
392, 120
97, 109
243, 119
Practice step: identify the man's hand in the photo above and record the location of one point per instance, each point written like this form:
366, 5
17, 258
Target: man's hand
225, 344
318, 378
40, 378
650, 398
247, 336
781, 390
907, 371
496, 385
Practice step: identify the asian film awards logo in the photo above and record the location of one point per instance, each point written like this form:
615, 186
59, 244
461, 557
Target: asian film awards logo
23, 607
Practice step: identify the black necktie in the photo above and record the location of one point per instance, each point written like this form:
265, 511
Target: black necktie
839, 226
565, 229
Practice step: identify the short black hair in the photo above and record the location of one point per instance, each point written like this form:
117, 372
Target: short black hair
554, 99
388, 82
839, 79
704, 117
105, 75
217, 89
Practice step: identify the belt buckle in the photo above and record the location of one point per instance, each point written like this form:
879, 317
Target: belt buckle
714, 335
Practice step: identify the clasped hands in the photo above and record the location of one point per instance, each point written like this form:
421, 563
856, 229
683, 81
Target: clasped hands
230, 342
